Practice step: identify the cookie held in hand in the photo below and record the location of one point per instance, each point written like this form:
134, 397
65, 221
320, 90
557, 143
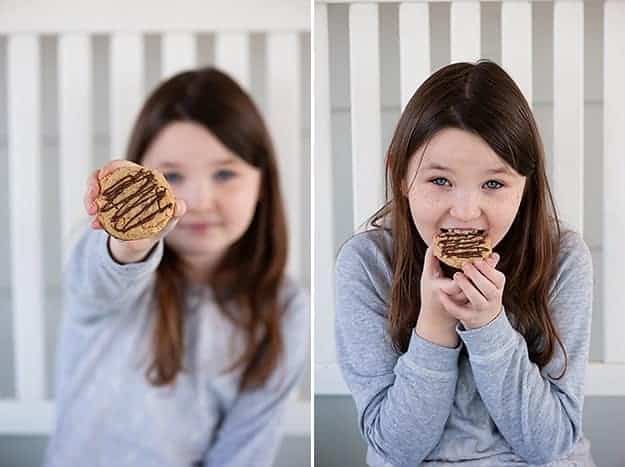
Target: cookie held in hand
455, 247
134, 202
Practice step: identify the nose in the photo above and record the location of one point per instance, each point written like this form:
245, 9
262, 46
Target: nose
466, 206
198, 194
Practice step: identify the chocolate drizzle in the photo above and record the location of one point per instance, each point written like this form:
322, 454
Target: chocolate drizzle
462, 243
139, 206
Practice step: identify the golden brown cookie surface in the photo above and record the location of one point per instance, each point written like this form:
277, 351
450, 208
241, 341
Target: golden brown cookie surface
455, 247
134, 202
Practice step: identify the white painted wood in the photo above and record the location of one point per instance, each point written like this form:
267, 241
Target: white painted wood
127, 92
297, 418
367, 155
613, 172
24, 148
464, 26
26, 418
284, 112
606, 380
414, 47
38, 418
62, 16
568, 111
516, 44
179, 52
323, 224
232, 54
329, 380
75, 131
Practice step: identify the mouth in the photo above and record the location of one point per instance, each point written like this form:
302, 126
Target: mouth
462, 229
199, 226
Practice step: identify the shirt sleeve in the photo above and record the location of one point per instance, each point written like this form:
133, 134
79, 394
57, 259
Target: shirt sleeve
252, 429
403, 401
539, 416
96, 285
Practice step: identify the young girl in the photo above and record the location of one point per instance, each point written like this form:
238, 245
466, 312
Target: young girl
485, 368
181, 350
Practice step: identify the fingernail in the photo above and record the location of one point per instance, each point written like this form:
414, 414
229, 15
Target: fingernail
456, 275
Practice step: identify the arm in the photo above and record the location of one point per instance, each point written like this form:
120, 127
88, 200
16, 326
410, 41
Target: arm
251, 431
403, 402
540, 417
96, 285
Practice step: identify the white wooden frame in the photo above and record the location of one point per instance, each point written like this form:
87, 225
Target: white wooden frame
75, 22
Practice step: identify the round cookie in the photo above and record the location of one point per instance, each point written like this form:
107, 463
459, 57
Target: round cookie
134, 202
455, 247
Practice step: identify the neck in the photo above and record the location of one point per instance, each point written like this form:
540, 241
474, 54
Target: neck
199, 269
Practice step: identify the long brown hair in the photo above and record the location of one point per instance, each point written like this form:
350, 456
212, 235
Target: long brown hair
246, 281
480, 98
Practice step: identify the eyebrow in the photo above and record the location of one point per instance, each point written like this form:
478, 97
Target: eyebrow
434, 166
175, 165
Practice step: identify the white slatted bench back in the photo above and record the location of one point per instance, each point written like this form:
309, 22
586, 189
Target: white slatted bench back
285, 26
415, 37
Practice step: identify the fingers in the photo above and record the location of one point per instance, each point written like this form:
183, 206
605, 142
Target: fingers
493, 275
472, 293
480, 281
179, 210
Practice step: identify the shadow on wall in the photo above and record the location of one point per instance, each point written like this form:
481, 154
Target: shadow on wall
338, 442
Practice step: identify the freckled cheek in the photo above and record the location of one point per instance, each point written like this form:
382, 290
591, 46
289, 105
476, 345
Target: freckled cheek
426, 210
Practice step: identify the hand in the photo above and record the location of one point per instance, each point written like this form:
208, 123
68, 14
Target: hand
125, 251
434, 323
484, 294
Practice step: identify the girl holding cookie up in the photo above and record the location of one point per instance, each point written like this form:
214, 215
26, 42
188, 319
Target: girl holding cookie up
183, 335
483, 365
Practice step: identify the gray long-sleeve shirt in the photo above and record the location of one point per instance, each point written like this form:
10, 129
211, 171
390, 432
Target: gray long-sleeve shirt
486, 405
107, 412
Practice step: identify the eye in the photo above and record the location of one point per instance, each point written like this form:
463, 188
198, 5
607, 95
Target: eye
172, 177
224, 175
493, 184
438, 180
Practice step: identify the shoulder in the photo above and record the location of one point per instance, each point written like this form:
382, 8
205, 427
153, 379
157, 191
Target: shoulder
369, 251
574, 263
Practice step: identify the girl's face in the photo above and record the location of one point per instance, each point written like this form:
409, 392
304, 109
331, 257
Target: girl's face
220, 189
462, 183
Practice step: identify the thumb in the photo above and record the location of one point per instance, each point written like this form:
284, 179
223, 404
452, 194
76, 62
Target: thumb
179, 211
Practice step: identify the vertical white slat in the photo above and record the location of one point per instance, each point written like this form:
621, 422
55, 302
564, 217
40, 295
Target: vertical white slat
367, 156
74, 130
179, 52
568, 111
24, 106
414, 47
232, 55
323, 195
516, 44
127, 69
464, 26
285, 121
613, 173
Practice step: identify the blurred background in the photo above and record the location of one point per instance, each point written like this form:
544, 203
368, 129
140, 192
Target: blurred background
73, 75
568, 57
